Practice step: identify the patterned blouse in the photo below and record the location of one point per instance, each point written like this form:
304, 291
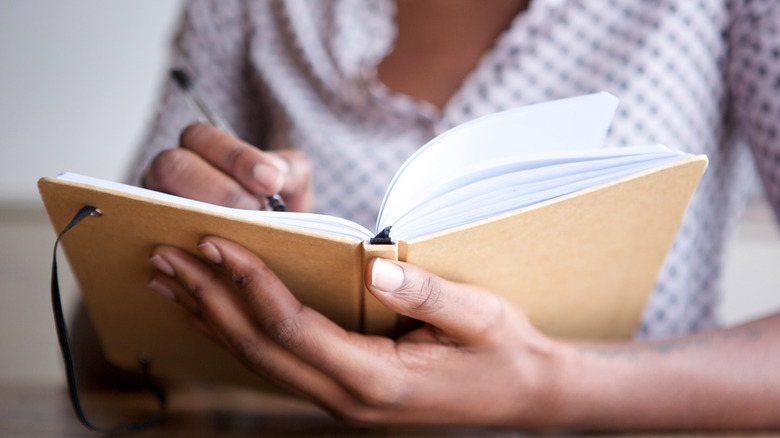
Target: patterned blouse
701, 76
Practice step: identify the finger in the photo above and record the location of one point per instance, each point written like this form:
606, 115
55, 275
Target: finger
203, 328
465, 313
224, 315
297, 191
357, 362
259, 172
184, 173
171, 289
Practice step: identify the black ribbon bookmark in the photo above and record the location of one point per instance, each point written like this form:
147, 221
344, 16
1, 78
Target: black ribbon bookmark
67, 356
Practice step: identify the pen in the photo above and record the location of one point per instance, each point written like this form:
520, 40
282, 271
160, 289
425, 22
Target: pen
187, 86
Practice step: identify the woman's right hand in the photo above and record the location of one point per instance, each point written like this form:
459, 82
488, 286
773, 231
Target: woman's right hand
212, 166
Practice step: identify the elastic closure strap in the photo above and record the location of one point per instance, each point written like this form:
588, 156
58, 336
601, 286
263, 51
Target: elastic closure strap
383, 238
67, 356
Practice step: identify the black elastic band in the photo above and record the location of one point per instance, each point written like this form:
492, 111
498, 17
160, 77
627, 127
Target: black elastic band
383, 238
67, 356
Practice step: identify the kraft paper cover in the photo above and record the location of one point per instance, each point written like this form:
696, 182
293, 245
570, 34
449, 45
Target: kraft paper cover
581, 265
109, 256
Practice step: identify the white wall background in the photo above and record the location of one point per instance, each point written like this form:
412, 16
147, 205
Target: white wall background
78, 79
78, 83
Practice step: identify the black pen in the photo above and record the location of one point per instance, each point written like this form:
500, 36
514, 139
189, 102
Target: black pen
186, 85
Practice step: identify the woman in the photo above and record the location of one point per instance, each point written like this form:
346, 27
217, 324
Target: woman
337, 94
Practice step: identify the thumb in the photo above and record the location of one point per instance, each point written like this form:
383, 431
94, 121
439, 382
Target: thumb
297, 178
460, 310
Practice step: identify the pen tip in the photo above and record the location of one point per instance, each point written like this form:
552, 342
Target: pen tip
181, 78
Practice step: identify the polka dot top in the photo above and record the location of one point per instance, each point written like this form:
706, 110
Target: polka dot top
701, 76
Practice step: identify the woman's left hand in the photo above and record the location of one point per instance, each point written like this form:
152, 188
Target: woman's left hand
475, 361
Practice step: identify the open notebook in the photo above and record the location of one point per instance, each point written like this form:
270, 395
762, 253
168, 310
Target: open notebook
525, 202
475, 171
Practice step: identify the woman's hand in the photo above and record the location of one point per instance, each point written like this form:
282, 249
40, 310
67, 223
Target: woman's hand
213, 166
476, 361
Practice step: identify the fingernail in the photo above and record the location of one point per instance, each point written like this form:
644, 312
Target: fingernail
162, 289
268, 177
162, 265
246, 202
386, 276
210, 251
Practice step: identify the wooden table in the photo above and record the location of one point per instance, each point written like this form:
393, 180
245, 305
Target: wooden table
44, 411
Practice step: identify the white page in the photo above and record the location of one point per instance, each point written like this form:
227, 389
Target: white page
519, 183
481, 201
565, 124
539, 162
308, 221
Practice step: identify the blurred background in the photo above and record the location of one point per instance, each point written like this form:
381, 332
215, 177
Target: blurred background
79, 80
78, 85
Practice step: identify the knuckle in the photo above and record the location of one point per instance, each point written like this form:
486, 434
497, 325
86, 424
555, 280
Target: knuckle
234, 156
196, 292
380, 393
249, 352
429, 296
192, 134
371, 402
167, 168
285, 331
246, 273
490, 327
241, 280
235, 197
196, 289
